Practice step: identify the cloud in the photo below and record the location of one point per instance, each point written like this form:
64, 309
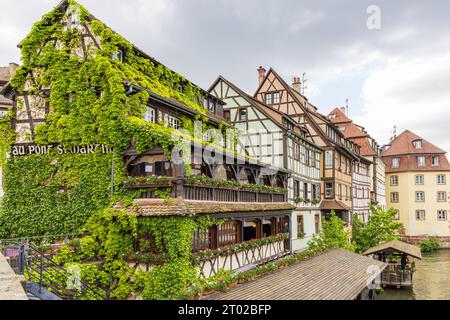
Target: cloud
412, 93
398, 66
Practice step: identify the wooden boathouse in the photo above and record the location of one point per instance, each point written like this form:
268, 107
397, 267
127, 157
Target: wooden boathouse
401, 268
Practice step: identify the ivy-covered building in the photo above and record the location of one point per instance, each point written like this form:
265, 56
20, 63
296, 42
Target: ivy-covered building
97, 124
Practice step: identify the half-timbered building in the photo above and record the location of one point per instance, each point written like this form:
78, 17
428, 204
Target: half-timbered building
369, 174
215, 181
275, 138
338, 153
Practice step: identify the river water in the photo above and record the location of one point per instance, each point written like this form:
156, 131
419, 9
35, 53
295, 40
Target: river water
431, 280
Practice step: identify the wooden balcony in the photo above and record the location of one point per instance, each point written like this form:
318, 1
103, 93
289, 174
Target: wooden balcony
181, 187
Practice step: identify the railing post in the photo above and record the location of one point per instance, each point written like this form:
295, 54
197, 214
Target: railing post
179, 188
21, 264
41, 270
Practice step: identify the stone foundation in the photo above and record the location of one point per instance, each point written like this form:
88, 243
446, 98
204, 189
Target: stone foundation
445, 241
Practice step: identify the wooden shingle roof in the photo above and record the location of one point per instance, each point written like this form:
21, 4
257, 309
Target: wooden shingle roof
396, 246
334, 275
159, 207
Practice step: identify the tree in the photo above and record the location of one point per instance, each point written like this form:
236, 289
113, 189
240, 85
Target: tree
380, 228
333, 235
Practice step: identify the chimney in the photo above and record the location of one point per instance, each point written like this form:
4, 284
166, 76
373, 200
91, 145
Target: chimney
261, 74
12, 68
297, 84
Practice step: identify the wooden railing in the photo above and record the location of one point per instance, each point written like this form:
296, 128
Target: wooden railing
241, 261
180, 188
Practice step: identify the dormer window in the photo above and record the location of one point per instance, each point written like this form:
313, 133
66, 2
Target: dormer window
395, 162
421, 161
435, 161
118, 55
418, 144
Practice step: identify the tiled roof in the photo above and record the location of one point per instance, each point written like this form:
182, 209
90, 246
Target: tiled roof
403, 144
159, 207
340, 116
353, 132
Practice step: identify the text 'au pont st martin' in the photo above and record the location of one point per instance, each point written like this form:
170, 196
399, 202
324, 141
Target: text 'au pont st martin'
23, 150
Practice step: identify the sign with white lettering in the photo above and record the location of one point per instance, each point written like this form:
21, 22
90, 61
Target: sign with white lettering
24, 150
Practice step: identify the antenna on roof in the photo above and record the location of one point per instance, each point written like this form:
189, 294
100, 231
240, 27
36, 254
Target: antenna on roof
394, 133
304, 80
346, 106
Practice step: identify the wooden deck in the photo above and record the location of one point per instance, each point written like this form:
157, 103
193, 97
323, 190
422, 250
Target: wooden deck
334, 275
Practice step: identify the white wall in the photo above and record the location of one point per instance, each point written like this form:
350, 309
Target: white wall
309, 226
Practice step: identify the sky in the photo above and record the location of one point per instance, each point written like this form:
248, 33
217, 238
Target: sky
391, 59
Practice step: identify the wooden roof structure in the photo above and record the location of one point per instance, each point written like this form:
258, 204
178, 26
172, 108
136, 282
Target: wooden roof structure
334, 275
159, 207
395, 246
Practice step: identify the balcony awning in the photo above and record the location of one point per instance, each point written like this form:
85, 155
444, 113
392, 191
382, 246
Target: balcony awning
160, 207
333, 205
395, 246
334, 275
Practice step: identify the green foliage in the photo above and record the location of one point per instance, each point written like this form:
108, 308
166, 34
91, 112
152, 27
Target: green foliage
54, 194
333, 235
430, 245
380, 228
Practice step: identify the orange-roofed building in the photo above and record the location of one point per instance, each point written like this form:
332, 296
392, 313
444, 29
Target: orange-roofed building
418, 186
368, 184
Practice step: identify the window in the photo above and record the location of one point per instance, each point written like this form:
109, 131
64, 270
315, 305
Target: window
305, 191
442, 215
228, 233
276, 98
150, 115
395, 162
118, 55
328, 190
340, 191
296, 151
435, 161
315, 192
421, 161
394, 180
173, 122
395, 197
442, 196
202, 240
420, 196
328, 159
418, 144
441, 179
419, 179
212, 106
227, 115
342, 128
269, 98
296, 189
420, 215
317, 223
397, 215
242, 114
300, 227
